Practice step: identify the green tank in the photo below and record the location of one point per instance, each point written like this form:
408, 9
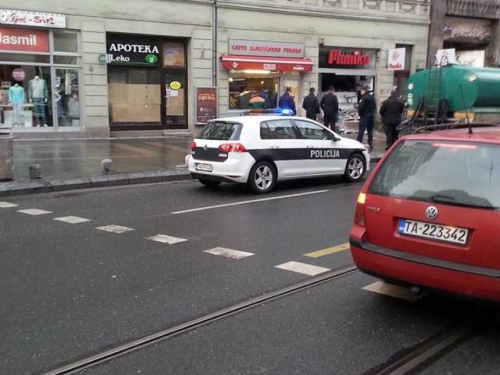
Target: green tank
464, 88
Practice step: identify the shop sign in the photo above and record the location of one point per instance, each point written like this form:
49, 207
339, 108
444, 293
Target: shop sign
265, 48
132, 50
472, 58
397, 59
445, 57
347, 58
24, 40
24, 18
206, 104
18, 74
175, 85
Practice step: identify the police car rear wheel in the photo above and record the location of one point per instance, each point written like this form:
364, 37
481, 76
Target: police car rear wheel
262, 177
209, 183
355, 169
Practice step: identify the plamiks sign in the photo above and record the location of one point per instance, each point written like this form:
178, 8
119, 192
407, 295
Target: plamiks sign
133, 50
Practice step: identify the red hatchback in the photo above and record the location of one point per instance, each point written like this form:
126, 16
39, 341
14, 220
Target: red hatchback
429, 214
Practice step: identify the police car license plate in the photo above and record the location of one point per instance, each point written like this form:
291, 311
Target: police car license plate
433, 231
204, 167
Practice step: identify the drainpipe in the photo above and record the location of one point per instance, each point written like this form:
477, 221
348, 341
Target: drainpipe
214, 43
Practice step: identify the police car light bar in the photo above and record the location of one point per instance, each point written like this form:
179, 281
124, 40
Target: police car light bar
260, 112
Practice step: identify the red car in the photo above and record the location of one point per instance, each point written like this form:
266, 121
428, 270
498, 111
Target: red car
428, 216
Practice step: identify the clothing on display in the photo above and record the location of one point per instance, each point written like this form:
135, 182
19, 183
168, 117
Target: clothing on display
39, 93
17, 98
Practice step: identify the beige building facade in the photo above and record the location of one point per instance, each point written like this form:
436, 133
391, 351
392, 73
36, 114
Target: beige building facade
101, 68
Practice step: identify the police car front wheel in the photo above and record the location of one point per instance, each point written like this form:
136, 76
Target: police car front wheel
355, 169
262, 177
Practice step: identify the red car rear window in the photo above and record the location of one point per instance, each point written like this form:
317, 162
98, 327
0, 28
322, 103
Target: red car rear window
455, 173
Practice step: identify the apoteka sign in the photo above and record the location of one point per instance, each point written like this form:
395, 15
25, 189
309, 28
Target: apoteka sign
132, 50
397, 59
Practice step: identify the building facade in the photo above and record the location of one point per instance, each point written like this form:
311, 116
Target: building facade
94, 69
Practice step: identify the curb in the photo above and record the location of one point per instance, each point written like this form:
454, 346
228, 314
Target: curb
25, 187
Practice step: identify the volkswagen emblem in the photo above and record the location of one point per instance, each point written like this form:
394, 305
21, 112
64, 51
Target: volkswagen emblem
431, 213
205, 148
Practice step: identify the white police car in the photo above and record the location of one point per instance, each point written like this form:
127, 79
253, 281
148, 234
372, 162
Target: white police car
261, 150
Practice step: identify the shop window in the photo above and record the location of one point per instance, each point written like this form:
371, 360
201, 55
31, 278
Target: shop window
175, 89
174, 55
66, 60
66, 95
27, 58
65, 41
134, 95
248, 91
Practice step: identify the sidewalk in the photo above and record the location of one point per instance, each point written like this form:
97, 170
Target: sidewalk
76, 164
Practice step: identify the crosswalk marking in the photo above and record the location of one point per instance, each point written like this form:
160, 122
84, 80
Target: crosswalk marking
7, 205
114, 229
390, 290
166, 239
328, 251
34, 212
72, 219
306, 269
228, 253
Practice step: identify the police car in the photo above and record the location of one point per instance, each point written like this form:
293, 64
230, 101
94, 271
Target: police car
261, 150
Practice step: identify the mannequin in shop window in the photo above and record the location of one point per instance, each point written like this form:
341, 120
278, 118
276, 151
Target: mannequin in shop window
17, 98
39, 94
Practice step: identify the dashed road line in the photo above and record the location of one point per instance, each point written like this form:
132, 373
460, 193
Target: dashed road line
114, 229
306, 269
390, 290
72, 219
162, 238
228, 253
34, 212
328, 251
7, 205
249, 202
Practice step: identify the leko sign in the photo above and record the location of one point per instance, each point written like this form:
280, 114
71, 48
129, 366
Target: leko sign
24, 40
124, 49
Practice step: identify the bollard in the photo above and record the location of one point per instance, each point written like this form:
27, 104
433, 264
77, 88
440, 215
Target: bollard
107, 166
35, 171
6, 157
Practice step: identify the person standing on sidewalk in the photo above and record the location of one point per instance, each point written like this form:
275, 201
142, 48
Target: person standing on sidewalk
330, 106
391, 112
366, 111
286, 101
311, 105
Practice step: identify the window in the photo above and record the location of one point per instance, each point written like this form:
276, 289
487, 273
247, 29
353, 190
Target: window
312, 131
441, 172
277, 129
65, 41
222, 131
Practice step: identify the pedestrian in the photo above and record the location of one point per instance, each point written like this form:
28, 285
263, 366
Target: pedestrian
366, 111
286, 101
257, 102
330, 106
264, 94
391, 112
311, 105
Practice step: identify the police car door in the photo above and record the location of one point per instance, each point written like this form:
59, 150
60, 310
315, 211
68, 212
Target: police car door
282, 143
324, 154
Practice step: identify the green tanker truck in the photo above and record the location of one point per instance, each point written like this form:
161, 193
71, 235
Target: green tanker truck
454, 94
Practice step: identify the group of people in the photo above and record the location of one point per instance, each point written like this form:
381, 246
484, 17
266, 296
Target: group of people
391, 113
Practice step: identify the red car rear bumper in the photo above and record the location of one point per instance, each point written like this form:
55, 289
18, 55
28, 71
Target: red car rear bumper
477, 282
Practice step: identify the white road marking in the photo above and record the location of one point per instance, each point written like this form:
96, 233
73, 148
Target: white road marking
228, 253
390, 290
34, 212
72, 219
303, 268
114, 229
7, 205
249, 202
166, 239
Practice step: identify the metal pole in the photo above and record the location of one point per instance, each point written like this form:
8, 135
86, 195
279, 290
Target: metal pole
214, 43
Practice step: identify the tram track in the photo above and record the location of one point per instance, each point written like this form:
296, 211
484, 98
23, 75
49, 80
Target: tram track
126, 348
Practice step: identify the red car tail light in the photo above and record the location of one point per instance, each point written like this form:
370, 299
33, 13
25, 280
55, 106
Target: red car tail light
359, 216
193, 146
232, 147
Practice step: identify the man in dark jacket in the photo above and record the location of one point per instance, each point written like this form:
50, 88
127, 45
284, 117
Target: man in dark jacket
264, 94
311, 105
330, 106
391, 112
366, 111
286, 101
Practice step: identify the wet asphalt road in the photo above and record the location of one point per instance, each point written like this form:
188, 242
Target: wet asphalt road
71, 290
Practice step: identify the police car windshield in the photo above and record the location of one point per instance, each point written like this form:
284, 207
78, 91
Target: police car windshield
221, 131
453, 173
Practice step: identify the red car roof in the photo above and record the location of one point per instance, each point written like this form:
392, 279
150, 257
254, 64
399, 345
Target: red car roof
485, 134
